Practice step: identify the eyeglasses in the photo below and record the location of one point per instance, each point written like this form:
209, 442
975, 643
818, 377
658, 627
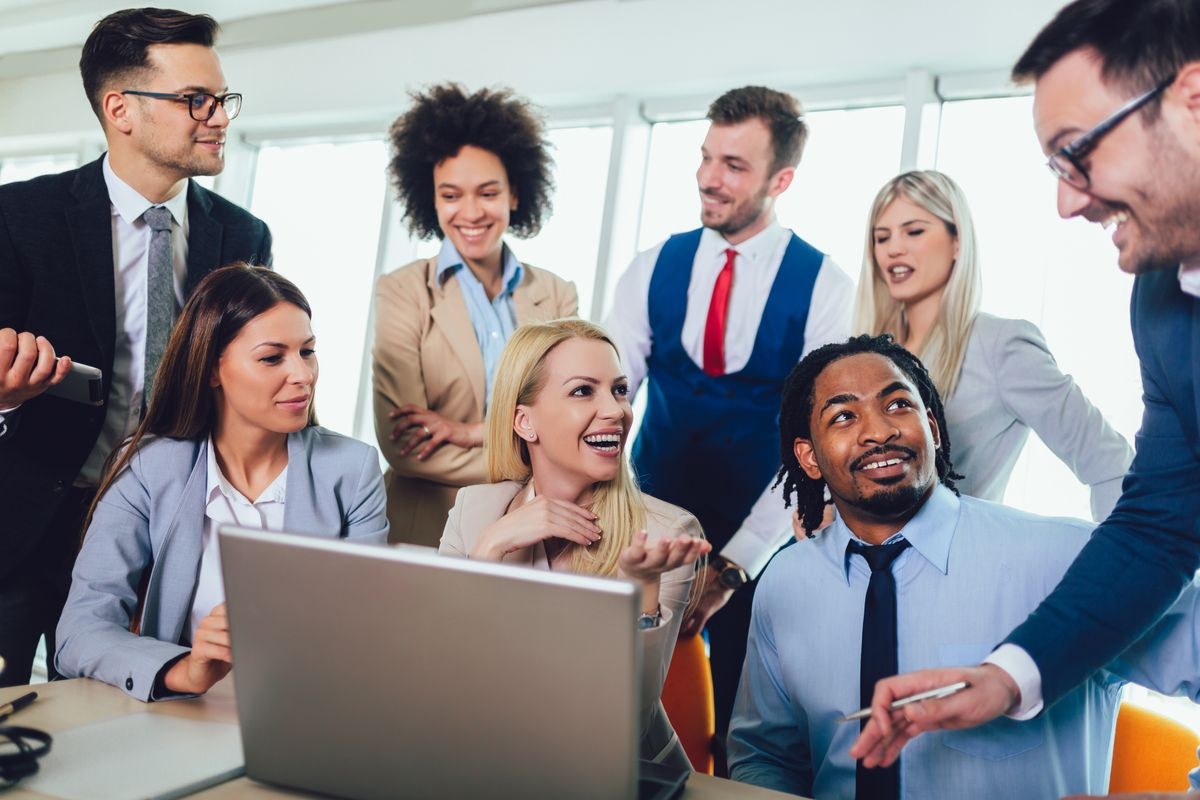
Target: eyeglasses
201, 105
1067, 163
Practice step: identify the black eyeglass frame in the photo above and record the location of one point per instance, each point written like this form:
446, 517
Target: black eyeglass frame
1079, 147
189, 99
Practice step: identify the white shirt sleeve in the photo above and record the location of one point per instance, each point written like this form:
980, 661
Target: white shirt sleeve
832, 308
4, 412
1024, 672
628, 322
769, 524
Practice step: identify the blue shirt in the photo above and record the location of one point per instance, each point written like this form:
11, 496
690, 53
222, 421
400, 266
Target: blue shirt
975, 569
493, 320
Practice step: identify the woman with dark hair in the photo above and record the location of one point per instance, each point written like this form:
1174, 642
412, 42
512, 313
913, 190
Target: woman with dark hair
467, 169
230, 437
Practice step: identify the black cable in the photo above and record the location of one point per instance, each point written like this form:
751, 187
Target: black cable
20, 749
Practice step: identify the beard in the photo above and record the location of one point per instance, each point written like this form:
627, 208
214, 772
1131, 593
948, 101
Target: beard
893, 502
1168, 220
741, 215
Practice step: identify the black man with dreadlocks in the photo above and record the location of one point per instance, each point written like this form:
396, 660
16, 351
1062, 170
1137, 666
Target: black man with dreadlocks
911, 576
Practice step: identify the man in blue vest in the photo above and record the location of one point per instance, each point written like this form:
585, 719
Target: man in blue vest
716, 318
1117, 111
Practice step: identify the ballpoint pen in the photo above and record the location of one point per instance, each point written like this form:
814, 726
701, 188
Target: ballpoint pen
932, 694
8, 709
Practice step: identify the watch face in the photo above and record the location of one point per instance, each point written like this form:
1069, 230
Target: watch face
731, 578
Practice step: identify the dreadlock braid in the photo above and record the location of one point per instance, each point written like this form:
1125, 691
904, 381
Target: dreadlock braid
795, 415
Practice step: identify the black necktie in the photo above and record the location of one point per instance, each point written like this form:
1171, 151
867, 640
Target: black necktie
878, 656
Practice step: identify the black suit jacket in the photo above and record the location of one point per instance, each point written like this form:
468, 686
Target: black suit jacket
57, 280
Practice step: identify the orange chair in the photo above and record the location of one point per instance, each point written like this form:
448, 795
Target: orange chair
1151, 753
688, 698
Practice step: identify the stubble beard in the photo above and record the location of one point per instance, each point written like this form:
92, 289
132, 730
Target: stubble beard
1171, 233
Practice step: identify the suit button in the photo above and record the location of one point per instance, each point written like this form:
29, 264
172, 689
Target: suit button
731, 394
699, 391
129, 684
728, 440
58, 486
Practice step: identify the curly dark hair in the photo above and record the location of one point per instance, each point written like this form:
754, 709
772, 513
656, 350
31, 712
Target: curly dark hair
443, 120
795, 416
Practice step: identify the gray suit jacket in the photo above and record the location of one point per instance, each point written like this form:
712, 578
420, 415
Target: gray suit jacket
153, 516
1010, 385
478, 506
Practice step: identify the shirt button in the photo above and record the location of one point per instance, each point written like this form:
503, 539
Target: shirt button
129, 684
495, 335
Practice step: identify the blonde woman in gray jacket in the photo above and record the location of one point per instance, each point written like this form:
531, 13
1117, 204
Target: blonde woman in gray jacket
920, 282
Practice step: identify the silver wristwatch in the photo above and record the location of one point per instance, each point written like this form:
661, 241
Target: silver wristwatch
647, 621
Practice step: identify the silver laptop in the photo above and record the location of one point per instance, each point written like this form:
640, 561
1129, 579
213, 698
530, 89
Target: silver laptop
370, 672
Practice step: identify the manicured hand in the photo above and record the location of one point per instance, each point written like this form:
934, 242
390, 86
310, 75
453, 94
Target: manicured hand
210, 659
713, 596
992, 693
425, 431
27, 367
536, 521
647, 561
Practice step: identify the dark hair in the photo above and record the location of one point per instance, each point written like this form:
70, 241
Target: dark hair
779, 111
118, 43
183, 404
795, 416
442, 121
1139, 42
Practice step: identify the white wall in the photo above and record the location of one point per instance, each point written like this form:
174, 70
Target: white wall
576, 54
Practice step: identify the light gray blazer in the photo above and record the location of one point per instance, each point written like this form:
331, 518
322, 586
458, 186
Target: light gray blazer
153, 516
1010, 384
478, 506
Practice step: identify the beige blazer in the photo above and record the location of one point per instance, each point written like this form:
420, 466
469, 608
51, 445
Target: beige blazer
426, 353
476, 507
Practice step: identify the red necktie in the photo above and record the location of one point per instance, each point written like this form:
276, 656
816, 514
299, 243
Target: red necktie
718, 310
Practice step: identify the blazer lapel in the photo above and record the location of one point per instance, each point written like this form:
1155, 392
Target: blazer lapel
449, 313
300, 514
1194, 360
89, 223
204, 239
180, 553
529, 295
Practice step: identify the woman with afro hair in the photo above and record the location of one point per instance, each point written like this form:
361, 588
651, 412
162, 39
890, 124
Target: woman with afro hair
467, 168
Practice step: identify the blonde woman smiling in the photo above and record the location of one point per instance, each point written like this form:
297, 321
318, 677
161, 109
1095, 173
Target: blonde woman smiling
920, 282
563, 497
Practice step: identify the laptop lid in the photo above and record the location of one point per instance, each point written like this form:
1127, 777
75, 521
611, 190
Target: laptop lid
371, 672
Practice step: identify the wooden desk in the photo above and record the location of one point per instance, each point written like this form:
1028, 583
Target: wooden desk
63, 705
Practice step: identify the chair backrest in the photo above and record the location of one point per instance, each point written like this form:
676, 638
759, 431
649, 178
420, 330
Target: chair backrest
688, 698
1151, 753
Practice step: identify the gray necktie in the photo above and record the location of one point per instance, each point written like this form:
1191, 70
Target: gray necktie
160, 293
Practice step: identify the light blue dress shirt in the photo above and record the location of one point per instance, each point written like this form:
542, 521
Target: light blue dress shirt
974, 571
493, 320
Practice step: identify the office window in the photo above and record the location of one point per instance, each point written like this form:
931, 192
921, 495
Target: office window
570, 241
324, 203
22, 168
1060, 275
849, 155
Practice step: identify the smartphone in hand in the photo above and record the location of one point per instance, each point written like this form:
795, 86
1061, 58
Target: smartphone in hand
83, 384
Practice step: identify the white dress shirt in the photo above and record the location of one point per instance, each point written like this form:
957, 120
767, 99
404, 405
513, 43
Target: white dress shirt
225, 505
131, 258
768, 525
1019, 665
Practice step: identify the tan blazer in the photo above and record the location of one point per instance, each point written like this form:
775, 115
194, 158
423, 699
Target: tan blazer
426, 353
476, 507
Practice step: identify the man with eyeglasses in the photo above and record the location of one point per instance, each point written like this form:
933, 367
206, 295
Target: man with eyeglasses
1117, 110
95, 264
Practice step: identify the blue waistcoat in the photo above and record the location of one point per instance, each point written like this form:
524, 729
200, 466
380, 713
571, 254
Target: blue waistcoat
711, 445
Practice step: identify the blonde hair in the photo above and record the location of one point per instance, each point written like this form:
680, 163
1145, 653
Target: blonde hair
520, 375
876, 312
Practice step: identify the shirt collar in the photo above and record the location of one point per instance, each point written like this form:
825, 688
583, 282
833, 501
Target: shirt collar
930, 531
757, 249
449, 261
129, 205
1189, 277
219, 485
